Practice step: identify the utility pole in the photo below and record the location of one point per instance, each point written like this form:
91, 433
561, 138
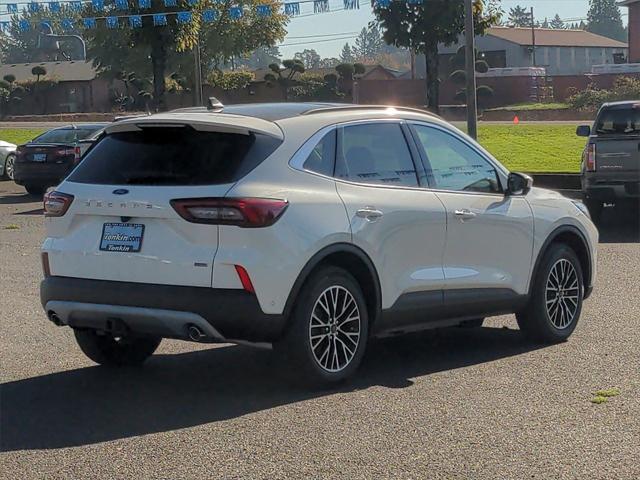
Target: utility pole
533, 38
198, 74
470, 57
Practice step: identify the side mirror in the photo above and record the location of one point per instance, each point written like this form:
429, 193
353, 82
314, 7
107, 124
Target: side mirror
518, 184
583, 131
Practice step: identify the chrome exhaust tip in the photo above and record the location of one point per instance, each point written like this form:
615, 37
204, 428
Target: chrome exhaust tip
195, 333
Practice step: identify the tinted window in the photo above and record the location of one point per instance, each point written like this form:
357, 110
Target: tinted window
322, 157
65, 135
376, 153
619, 121
172, 156
454, 165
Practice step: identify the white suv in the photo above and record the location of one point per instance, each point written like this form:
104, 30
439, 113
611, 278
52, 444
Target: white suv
309, 227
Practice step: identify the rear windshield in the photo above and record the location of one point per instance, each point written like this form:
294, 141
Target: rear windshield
619, 121
173, 156
65, 135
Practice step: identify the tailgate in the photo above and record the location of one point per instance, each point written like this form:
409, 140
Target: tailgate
618, 154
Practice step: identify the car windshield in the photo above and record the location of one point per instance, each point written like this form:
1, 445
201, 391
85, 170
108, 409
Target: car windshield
66, 135
619, 121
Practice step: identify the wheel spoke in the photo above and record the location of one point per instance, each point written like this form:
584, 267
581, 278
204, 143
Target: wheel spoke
562, 293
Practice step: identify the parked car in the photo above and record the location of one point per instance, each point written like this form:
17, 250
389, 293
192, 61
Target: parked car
611, 160
308, 227
7, 159
48, 158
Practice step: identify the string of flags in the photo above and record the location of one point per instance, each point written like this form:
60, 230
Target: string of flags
114, 20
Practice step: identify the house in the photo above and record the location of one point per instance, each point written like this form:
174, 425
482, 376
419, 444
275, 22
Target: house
561, 52
634, 29
77, 87
371, 72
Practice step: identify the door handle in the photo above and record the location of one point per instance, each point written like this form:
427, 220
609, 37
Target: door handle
465, 214
371, 214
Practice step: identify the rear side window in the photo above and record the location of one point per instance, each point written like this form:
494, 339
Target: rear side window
173, 156
377, 154
65, 135
322, 157
619, 121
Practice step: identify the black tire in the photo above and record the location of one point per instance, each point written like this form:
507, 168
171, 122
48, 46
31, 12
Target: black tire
37, 190
9, 165
296, 347
595, 208
547, 324
106, 350
473, 323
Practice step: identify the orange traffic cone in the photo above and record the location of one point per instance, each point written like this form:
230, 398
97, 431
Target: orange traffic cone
516, 120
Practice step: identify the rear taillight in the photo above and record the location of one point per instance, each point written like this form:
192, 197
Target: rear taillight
56, 204
241, 212
590, 158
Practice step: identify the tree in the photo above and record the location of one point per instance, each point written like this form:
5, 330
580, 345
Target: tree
329, 62
346, 55
23, 46
519, 17
557, 23
169, 47
309, 58
545, 23
38, 72
417, 27
284, 75
369, 43
261, 57
604, 19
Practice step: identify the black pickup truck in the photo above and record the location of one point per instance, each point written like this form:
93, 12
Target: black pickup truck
611, 159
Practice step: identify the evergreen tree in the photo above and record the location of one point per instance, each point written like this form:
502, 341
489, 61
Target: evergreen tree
557, 23
604, 19
368, 43
519, 17
346, 55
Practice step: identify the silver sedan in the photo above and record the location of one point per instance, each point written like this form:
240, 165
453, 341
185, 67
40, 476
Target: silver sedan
7, 159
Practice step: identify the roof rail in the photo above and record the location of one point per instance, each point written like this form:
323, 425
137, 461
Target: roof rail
348, 107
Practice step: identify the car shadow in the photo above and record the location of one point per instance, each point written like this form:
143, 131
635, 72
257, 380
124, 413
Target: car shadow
11, 198
96, 404
620, 224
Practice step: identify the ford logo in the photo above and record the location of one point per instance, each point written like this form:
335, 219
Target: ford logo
120, 191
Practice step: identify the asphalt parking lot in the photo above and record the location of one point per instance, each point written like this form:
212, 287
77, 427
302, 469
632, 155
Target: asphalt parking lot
457, 403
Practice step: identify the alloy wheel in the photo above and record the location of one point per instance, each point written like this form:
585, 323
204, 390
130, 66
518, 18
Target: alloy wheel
8, 166
334, 329
562, 294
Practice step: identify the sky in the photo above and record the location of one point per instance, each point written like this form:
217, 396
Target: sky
350, 22
328, 32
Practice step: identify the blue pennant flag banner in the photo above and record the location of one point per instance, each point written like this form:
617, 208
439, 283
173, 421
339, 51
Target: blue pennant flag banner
184, 17
24, 25
320, 6
112, 22
66, 24
122, 4
170, 3
12, 8
192, 2
76, 6
34, 7
383, 3
98, 5
264, 10
54, 7
4, 26
89, 23
135, 21
351, 4
144, 4
235, 13
209, 16
159, 19
292, 9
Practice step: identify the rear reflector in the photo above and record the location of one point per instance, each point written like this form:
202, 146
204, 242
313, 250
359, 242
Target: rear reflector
241, 212
590, 160
46, 269
56, 204
245, 279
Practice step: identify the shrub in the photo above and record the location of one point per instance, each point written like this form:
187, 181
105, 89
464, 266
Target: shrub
235, 80
591, 98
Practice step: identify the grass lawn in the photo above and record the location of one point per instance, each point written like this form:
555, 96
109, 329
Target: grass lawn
524, 148
19, 135
534, 148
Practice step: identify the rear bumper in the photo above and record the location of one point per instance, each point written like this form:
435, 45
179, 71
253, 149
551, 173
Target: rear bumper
162, 310
48, 174
606, 187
